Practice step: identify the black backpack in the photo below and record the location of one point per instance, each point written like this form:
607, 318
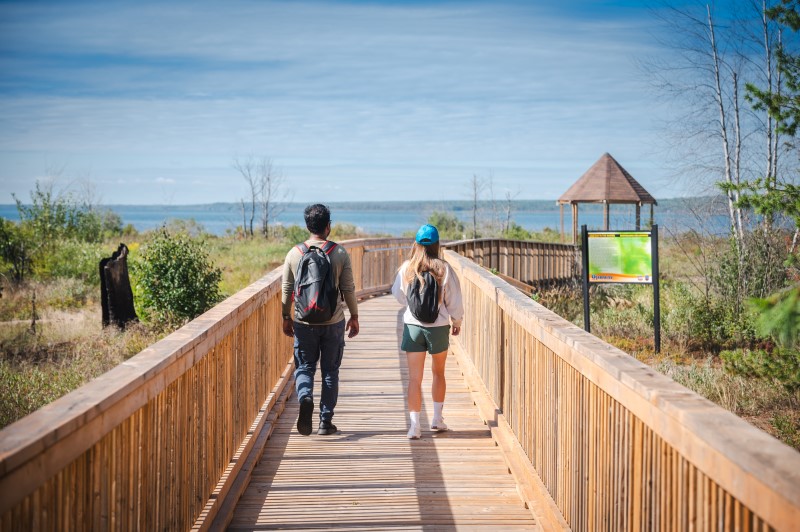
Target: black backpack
315, 290
423, 302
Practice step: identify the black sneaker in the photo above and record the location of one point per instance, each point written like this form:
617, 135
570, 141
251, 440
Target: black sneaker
326, 428
304, 419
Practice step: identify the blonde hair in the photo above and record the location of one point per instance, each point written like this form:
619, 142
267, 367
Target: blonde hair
425, 259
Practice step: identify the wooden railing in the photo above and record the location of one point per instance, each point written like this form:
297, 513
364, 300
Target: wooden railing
532, 263
157, 442
615, 444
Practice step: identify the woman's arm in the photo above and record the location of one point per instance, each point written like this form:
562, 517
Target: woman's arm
397, 288
452, 299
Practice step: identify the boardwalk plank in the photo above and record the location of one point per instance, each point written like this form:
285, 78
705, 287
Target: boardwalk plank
369, 476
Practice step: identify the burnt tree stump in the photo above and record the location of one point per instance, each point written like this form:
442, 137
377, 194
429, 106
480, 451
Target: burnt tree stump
115, 289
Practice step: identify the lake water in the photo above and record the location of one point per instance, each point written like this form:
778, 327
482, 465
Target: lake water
396, 221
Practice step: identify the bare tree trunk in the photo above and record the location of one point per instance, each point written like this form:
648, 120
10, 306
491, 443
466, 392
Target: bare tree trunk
247, 169
507, 224
723, 130
268, 191
244, 219
477, 186
252, 216
771, 173
115, 290
737, 157
495, 222
768, 71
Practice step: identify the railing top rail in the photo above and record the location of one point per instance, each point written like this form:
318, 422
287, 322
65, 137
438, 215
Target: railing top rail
523, 242
357, 242
744, 460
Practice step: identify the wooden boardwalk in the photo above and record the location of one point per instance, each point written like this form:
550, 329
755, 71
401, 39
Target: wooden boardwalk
369, 476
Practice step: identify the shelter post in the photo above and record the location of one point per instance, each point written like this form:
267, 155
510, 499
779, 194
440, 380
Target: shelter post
605, 215
561, 209
639, 216
574, 223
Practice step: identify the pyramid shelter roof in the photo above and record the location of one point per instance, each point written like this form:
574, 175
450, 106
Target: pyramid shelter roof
607, 182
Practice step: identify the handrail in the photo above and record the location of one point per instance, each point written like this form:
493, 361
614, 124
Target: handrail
150, 444
617, 445
532, 263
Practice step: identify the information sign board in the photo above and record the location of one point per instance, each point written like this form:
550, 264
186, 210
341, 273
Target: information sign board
620, 257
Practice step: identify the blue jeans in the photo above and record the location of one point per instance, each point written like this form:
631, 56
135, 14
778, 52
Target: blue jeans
323, 344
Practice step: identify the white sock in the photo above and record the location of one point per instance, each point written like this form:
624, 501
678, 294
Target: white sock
414, 417
437, 410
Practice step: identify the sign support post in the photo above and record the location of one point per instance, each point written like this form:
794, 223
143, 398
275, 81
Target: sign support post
656, 294
585, 261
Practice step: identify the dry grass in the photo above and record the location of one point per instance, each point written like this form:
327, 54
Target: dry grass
767, 405
67, 350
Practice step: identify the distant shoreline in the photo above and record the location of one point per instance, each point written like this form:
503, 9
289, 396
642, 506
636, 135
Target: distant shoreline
447, 205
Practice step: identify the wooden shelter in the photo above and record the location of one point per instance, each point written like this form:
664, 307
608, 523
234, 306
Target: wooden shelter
605, 182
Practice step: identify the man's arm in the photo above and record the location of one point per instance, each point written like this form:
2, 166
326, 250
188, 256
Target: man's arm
287, 287
348, 288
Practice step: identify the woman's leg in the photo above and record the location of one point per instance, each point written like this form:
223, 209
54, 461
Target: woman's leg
416, 367
439, 387
438, 390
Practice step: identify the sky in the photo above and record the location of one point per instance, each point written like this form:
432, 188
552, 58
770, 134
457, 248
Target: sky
152, 102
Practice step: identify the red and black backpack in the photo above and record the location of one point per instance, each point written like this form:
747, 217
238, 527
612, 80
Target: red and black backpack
315, 292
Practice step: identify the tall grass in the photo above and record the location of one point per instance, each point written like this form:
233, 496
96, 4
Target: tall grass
66, 350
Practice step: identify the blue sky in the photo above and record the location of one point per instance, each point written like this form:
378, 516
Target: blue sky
351, 100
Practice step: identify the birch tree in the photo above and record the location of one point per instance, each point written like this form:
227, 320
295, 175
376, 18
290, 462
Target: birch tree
476, 186
272, 193
248, 169
716, 133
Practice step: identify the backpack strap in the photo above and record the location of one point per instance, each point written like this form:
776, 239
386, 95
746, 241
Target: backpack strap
329, 246
302, 247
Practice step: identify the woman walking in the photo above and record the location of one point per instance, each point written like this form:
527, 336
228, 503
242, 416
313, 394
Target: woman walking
430, 290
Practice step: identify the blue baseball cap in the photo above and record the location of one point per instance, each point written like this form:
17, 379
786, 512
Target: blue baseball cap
427, 235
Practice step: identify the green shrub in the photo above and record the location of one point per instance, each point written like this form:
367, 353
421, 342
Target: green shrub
716, 324
780, 364
294, 234
787, 428
515, 231
448, 225
677, 302
342, 231
189, 226
175, 280
16, 250
30, 388
779, 315
73, 259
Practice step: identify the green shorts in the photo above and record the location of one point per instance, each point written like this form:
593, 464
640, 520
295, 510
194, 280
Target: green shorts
418, 339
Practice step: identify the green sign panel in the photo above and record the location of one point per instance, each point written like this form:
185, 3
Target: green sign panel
620, 257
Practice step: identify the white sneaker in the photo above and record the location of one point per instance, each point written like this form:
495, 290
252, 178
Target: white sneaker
438, 425
414, 432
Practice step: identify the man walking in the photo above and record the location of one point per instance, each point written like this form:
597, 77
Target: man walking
314, 315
